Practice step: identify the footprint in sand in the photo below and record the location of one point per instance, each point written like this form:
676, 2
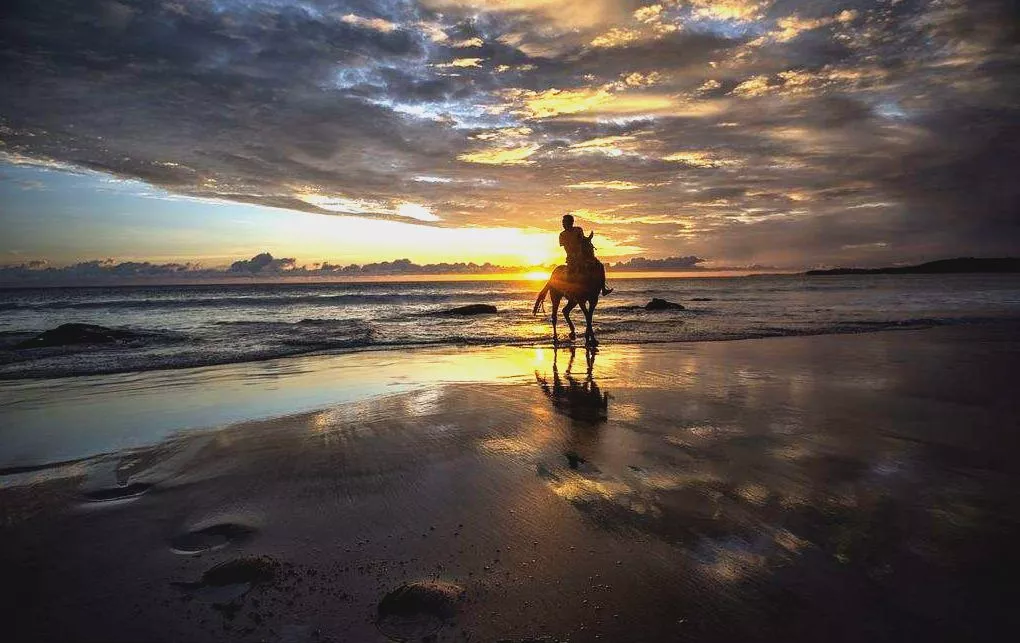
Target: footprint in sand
231, 580
122, 492
413, 611
210, 538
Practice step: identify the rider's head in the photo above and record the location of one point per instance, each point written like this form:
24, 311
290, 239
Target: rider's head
568, 221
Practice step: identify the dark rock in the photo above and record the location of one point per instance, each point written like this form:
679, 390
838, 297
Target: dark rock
701, 299
68, 334
662, 304
472, 309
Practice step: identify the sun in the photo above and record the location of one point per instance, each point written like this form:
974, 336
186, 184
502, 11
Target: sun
536, 275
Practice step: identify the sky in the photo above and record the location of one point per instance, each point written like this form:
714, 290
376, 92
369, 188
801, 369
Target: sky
777, 133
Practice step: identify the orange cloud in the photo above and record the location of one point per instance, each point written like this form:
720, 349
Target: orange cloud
502, 155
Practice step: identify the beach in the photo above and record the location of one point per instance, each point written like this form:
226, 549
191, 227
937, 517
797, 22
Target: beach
843, 487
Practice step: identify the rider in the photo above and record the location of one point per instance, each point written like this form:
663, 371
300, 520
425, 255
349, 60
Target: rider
580, 251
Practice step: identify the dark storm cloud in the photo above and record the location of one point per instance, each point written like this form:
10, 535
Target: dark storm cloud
785, 132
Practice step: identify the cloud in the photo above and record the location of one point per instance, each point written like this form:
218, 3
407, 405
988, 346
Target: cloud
502, 155
606, 185
361, 207
469, 42
701, 159
669, 263
461, 63
614, 99
616, 37
650, 13
342, 108
737, 10
616, 218
261, 264
377, 24
564, 15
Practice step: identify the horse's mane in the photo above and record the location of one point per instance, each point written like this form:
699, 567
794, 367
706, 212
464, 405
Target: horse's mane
587, 247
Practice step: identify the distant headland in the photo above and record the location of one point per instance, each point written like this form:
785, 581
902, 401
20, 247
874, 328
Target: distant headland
940, 267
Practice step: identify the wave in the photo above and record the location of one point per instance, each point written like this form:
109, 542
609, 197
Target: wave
260, 341
231, 302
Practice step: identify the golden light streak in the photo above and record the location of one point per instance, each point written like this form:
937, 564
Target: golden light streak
461, 63
502, 155
616, 37
376, 24
651, 13
606, 185
737, 10
553, 102
700, 159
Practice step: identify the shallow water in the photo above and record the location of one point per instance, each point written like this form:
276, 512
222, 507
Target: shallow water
179, 326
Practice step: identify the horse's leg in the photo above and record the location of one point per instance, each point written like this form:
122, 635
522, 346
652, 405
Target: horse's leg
554, 298
566, 315
591, 316
589, 335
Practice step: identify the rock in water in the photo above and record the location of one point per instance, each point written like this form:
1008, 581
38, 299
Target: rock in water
662, 304
68, 334
472, 309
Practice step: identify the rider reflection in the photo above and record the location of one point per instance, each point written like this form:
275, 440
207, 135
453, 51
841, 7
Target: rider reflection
583, 401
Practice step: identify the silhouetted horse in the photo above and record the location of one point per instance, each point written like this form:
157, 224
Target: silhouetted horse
582, 401
582, 290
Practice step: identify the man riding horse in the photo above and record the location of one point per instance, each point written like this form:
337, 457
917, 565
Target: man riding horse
581, 281
581, 253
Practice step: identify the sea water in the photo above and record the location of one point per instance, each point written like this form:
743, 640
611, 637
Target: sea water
193, 325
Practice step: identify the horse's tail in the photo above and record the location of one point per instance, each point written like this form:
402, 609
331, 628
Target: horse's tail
540, 300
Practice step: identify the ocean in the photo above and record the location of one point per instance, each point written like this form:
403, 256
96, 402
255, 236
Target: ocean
196, 325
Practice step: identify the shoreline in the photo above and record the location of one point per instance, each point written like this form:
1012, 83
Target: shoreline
175, 399
849, 328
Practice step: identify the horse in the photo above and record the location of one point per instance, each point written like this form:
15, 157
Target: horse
582, 291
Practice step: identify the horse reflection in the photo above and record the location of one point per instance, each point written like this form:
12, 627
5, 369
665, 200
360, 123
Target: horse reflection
579, 400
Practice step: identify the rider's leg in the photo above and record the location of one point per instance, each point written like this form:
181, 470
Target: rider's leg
602, 273
572, 268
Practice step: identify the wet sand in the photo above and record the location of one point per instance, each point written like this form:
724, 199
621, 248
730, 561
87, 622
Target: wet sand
840, 488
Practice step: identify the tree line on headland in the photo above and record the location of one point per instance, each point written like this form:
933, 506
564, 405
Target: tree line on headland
265, 266
940, 267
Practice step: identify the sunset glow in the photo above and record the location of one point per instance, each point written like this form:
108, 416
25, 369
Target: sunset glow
751, 134
537, 275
